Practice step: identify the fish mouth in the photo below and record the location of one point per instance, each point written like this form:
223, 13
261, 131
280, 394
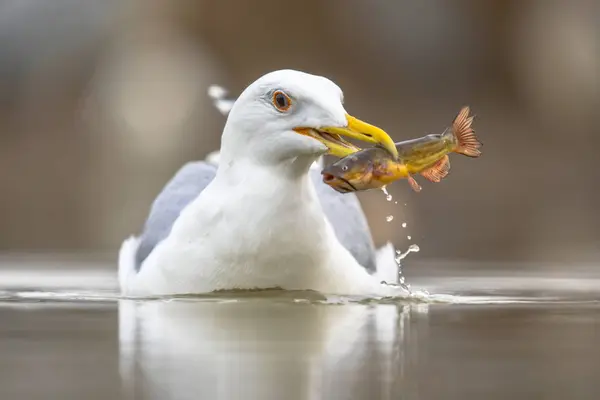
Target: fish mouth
342, 186
331, 136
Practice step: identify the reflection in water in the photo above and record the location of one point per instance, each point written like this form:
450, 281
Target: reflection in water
510, 336
265, 350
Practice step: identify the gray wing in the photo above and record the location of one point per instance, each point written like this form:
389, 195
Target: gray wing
343, 211
184, 187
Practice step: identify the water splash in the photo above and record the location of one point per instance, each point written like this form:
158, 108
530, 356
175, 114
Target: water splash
413, 248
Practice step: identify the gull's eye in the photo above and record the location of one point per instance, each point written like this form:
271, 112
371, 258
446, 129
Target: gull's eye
281, 101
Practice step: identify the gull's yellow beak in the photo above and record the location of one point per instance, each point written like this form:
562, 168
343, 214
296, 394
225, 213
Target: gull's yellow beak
330, 136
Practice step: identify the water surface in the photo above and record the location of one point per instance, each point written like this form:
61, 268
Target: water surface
65, 334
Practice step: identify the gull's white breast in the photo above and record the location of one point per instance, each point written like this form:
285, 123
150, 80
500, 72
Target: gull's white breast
244, 234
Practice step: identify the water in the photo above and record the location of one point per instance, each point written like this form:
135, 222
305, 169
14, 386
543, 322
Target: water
65, 334
401, 281
388, 196
413, 248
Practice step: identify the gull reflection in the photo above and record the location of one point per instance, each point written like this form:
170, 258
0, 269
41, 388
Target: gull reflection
263, 349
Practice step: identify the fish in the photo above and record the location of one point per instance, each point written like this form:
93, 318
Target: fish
427, 156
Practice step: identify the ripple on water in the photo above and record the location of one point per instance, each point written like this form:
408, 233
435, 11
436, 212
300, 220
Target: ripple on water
277, 295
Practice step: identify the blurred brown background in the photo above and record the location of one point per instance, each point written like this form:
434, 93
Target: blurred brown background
102, 101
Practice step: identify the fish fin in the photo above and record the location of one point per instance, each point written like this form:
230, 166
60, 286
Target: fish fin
413, 184
467, 143
438, 171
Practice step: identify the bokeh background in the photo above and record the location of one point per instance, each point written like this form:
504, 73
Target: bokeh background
102, 101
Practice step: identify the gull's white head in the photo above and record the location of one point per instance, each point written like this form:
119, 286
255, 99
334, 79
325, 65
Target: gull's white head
289, 114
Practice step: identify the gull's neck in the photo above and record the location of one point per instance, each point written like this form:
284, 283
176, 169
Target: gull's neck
282, 188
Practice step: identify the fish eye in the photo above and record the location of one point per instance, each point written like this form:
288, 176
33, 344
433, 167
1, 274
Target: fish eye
345, 168
281, 101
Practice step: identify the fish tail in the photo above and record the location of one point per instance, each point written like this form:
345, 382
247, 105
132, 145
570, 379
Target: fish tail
464, 136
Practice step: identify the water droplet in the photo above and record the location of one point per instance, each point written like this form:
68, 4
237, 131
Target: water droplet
408, 237
404, 224
388, 196
414, 248
395, 202
389, 218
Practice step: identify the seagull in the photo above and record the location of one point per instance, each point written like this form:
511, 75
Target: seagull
256, 214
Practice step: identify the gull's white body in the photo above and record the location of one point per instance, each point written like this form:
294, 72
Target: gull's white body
259, 223
219, 244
